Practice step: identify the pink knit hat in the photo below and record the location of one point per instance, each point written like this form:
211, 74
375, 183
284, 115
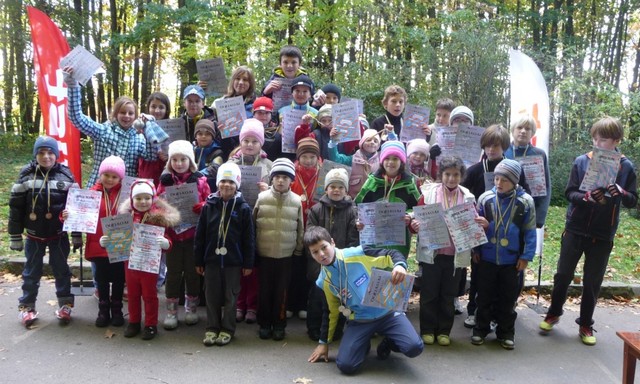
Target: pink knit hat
254, 128
112, 164
418, 145
393, 148
366, 135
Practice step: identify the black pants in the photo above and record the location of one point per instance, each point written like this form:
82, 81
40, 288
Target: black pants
498, 290
274, 278
596, 257
299, 285
109, 273
438, 289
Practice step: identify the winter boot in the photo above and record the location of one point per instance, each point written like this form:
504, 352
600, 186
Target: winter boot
190, 307
117, 318
103, 314
171, 321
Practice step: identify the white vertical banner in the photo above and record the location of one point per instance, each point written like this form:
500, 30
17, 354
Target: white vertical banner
529, 96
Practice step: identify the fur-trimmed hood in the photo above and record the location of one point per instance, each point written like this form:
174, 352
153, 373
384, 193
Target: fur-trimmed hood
161, 213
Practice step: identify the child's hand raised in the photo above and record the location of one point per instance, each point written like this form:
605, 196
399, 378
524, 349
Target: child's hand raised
65, 214
163, 242
307, 119
274, 85
334, 133
426, 129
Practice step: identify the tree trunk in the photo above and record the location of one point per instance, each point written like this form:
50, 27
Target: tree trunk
114, 49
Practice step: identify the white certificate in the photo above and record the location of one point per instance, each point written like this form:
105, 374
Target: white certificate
346, 121
119, 229
383, 223
433, 233
251, 176
231, 115
291, 119
283, 96
465, 232
602, 169
533, 168
183, 197
467, 144
84, 64
212, 71
382, 293
175, 128
415, 118
145, 250
84, 210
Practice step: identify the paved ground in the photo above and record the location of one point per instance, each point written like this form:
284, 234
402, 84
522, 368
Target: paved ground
80, 352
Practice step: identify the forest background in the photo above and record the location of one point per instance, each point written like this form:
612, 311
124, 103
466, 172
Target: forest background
588, 52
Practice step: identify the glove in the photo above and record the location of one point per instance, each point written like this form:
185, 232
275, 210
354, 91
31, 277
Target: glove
76, 241
69, 80
598, 195
163, 243
103, 241
197, 207
435, 151
16, 243
615, 191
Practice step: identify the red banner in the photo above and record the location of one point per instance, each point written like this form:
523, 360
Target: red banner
49, 46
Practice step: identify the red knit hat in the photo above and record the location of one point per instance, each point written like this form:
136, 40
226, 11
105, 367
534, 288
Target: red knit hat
263, 104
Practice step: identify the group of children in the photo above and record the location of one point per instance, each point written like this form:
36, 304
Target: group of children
251, 254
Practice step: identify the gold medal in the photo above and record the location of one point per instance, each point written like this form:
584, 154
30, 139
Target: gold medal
346, 312
48, 215
33, 216
223, 251
493, 240
504, 242
303, 198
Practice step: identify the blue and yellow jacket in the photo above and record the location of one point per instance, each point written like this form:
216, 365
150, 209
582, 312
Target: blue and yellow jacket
349, 276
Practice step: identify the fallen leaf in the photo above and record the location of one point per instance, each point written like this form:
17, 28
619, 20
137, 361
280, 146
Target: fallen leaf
53, 303
108, 334
302, 380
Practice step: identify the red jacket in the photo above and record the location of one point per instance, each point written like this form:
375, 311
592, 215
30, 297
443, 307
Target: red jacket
93, 248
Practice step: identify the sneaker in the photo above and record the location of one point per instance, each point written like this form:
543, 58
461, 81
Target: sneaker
289, 314
223, 339
586, 335
251, 317
477, 340
428, 338
132, 330
170, 322
149, 332
507, 344
384, 349
64, 314
210, 338
302, 315
444, 340
265, 333
27, 316
470, 321
459, 309
278, 334
548, 322
239, 315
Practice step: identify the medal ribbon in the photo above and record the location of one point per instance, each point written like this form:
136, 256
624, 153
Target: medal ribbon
222, 229
33, 189
500, 215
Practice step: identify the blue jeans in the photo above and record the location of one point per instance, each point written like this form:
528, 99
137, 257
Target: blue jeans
32, 272
356, 340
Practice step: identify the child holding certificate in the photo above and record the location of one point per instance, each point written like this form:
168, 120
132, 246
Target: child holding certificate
224, 251
146, 208
522, 131
251, 154
590, 227
441, 267
181, 169
392, 183
508, 216
34, 206
111, 173
159, 106
418, 161
343, 272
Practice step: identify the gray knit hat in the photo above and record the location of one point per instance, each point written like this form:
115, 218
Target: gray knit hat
461, 111
338, 176
510, 169
283, 166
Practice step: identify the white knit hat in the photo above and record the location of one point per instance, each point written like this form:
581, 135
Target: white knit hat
182, 147
338, 176
418, 145
229, 171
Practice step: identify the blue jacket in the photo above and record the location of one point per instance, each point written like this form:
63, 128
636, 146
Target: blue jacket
240, 239
520, 231
355, 264
541, 202
592, 219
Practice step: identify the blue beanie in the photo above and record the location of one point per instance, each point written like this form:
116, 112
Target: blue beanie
46, 142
